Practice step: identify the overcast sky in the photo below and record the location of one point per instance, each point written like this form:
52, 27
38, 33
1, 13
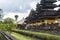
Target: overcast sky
18, 7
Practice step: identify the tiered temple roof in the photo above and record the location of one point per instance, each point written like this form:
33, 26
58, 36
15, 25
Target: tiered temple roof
44, 10
46, 4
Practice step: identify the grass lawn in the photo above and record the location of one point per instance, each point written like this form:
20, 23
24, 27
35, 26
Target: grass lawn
39, 35
21, 37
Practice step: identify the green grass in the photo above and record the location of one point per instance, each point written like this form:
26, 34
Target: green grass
40, 35
20, 37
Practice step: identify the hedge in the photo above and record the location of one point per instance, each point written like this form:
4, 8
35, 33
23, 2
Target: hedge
44, 36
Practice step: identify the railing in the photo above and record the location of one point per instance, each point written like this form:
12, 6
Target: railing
6, 36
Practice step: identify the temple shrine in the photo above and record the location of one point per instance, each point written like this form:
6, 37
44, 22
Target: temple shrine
44, 17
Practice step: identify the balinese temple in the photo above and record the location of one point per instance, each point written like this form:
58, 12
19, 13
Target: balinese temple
44, 17
21, 24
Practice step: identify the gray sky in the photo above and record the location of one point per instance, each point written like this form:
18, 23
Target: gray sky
18, 7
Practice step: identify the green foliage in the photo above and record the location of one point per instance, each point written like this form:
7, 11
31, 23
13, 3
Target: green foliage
16, 16
1, 14
7, 25
21, 37
39, 35
8, 20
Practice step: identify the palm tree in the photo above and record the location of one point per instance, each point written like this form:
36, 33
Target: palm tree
16, 17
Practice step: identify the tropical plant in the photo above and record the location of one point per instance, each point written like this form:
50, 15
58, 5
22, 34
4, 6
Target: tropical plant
16, 17
8, 20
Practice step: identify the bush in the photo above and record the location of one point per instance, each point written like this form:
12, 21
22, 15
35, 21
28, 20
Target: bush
7, 27
39, 35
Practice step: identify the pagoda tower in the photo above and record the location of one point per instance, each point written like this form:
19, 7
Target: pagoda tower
45, 10
48, 4
44, 17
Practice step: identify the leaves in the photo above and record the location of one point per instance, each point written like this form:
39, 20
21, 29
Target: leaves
16, 16
8, 20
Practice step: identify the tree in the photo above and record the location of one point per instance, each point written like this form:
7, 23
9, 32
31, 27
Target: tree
8, 24
1, 14
8, 20
16, 17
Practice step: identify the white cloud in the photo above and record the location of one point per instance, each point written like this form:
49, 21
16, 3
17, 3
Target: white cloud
21, 15
20, 7
57, 3
11, 5
16, 7
11, 15
5, 2
33, 5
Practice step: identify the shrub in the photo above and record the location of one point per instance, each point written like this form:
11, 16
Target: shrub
39, 35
